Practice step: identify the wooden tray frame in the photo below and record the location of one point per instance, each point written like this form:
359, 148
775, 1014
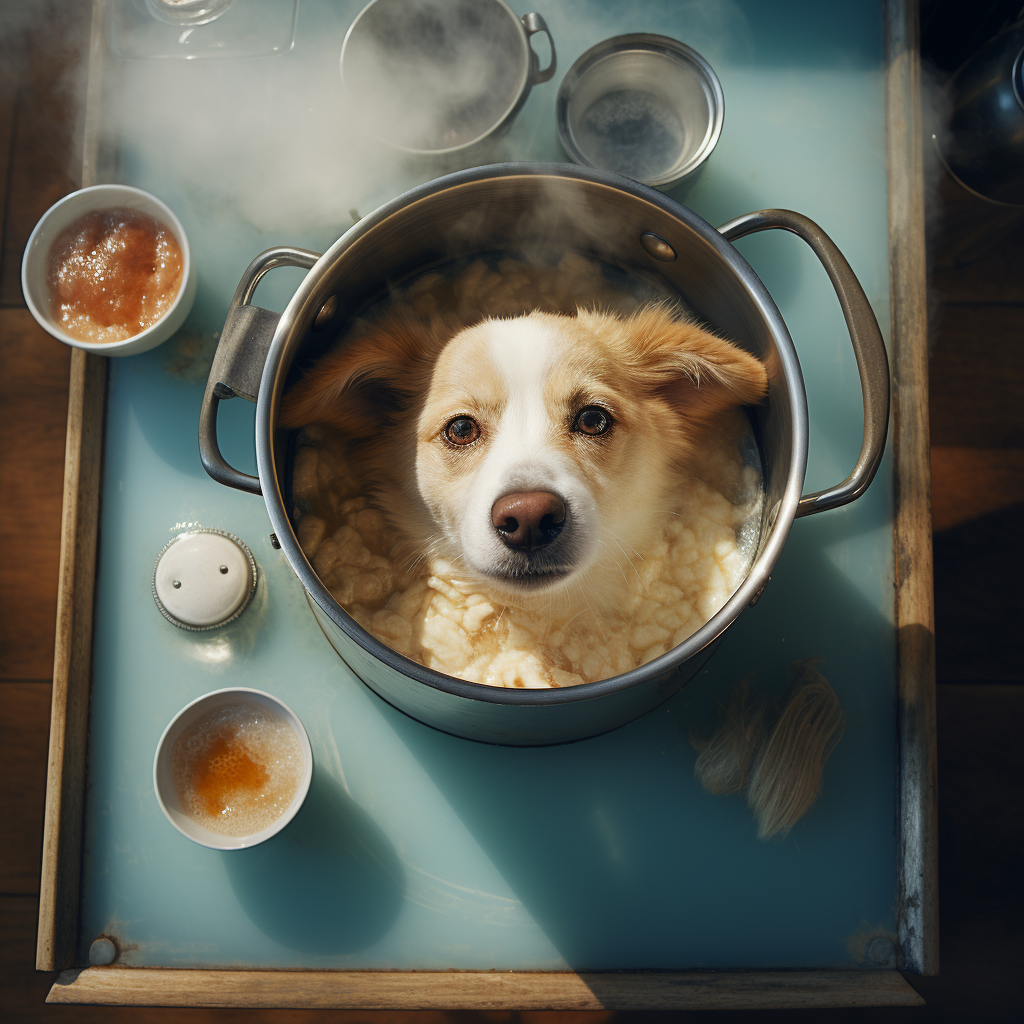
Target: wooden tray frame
917, 902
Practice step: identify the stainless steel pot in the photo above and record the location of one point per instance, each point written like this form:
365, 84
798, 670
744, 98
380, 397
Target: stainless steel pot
642, 105
557, 207
442, 78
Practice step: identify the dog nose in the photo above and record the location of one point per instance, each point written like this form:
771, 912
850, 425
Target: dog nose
528, 520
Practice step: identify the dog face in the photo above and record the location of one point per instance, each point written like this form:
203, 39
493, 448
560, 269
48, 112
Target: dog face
536, 453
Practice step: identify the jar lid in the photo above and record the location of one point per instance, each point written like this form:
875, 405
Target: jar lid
204, 579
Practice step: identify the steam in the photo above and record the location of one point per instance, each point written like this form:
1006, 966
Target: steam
269, 140
433, 74
50, 91
281, 146
282, 143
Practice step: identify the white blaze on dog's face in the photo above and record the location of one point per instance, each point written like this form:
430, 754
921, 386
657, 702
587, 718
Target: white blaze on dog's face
548, 446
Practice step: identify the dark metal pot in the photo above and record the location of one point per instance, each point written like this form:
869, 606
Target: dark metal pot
982, 140
508, 207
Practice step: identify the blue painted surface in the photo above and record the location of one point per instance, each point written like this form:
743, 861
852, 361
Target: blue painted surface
415, 849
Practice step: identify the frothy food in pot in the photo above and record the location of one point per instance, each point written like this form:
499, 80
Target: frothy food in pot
431, 613
113, 273
237, 769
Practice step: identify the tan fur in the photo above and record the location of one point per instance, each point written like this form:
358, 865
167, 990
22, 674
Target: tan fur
727, 756
372, 380
370, 389
776, 756
691, 369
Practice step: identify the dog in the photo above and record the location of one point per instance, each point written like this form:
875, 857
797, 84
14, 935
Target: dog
526, 448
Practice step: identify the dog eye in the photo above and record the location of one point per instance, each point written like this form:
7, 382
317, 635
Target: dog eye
593, 421
462, 430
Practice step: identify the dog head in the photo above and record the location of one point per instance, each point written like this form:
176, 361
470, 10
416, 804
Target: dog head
534, 452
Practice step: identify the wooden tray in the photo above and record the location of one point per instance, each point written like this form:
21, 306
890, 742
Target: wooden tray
916, 868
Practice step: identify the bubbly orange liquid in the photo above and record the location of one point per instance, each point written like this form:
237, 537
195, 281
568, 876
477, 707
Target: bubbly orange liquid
113, 273
237, 769
225, 770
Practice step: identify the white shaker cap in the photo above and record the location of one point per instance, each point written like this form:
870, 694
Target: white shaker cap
204, 578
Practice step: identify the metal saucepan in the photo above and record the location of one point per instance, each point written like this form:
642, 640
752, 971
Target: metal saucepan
642, 105
509, 207
441, 78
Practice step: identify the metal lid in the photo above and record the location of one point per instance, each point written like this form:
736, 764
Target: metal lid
645, 106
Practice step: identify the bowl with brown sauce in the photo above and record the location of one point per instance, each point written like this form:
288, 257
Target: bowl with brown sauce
232, 768
108, 269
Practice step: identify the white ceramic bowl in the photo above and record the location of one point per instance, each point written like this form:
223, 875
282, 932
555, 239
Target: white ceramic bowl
35, 265
163, 777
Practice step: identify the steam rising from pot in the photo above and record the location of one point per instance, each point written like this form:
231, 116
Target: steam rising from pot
280, 144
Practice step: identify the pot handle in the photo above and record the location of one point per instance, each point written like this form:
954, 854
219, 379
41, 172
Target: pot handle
868, 347
238, 362
534, 23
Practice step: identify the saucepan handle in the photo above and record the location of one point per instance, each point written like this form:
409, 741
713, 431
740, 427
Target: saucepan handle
534, 23
238, 362
868, 347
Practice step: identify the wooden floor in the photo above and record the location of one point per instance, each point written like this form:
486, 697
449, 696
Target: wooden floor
977, 423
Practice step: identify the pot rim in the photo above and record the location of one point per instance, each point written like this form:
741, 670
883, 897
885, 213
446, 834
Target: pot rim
779, 518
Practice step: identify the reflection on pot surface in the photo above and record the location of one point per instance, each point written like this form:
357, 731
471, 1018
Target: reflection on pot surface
982, 140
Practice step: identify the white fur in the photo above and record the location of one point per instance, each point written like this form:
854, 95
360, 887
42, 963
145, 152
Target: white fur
521, 454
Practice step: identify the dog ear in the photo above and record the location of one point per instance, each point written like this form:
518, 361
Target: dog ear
370, 381
697, 372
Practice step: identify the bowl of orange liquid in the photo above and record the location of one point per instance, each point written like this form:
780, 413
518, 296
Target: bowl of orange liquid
108, 269
232, 768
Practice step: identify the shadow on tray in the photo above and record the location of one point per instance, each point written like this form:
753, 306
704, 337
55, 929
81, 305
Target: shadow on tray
623, 861
328, 883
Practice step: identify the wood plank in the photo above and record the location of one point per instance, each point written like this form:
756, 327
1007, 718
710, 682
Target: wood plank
8, 103
971, 482
917, 867
38, 178
22, 989
57, 935
979, 603
470, 990
44, 168
976, 248
65, 779
24, 725
982, 813
34, 374
977, 377
981, 831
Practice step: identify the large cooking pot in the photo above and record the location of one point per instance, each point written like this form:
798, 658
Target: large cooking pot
512, 207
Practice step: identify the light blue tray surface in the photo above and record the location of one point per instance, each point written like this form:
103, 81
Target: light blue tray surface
415, 849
